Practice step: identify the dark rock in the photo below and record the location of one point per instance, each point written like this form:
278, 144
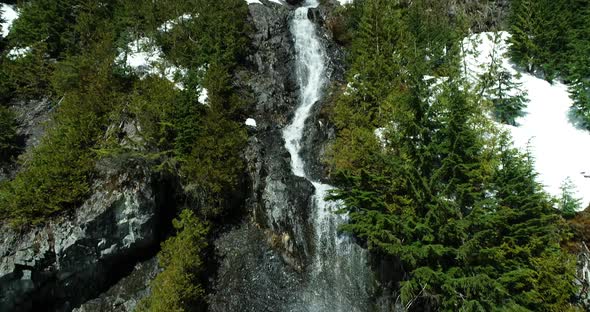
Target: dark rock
279, 201
31, 115
294, 2
315, 16
127, 293
583, 277
73, 258
252, 276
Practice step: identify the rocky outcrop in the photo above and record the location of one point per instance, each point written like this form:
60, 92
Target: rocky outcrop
127, 293
250, 265
59, 265
583, 276
319, 130
31, 118
279, 201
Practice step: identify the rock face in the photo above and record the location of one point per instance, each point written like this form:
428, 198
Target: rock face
583, 277
279, 201
249, 265
126, 294
31, 116
261, 261
59, 265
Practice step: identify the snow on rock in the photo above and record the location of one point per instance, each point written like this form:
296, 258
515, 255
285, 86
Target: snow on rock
203, 96
559, 148
250, 122
9, 15
146, 58
171, 23
16, 53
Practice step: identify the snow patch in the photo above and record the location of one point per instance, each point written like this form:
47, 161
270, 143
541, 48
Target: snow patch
9, 15
559, 148
145, 58
167, 26
250, 122
16, 53
203, 96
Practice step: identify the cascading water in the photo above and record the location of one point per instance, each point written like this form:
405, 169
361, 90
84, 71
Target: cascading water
338, 278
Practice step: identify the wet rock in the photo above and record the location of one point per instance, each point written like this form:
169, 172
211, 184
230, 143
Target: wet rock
252, 276
271, 75
59, 265
319, 131
279, 201
294, 2
127, 293
583, 277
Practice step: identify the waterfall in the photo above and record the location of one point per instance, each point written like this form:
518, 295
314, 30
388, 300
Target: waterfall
338, 278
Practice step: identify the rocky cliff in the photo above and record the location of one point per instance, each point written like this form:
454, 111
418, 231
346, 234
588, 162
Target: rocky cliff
44, 268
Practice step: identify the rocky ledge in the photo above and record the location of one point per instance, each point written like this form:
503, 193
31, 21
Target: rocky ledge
59, 265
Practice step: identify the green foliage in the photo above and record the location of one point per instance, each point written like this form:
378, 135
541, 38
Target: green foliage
27, 76
441, 189
56, 176
47, 21
568, 203
73, 46
553, 37
215, 33
499, 85
177, 287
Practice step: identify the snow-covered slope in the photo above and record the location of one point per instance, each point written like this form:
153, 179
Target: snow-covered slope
9, 15
145, 58
560, 149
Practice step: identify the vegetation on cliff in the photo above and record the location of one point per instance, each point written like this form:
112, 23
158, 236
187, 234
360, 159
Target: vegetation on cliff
427, 178
72, 56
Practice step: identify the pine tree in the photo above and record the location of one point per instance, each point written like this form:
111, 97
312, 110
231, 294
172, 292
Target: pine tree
177, 287
568, 203
529, 232
502, 88
524, 50
448, 197
579, 68
507, 98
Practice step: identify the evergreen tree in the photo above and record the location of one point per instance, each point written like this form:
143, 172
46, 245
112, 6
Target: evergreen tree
524, 50
579, 67
444, 194
501, 87
568, 203
177, 287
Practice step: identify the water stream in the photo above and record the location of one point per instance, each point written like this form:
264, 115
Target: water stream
338, 278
